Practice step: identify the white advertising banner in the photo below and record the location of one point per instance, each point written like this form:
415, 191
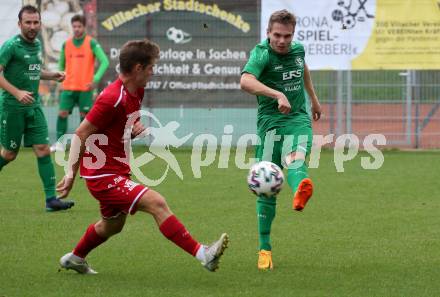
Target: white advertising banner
364, 34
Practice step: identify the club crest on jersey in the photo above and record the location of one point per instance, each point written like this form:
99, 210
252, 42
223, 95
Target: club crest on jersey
299, 62
13, 144
130, 185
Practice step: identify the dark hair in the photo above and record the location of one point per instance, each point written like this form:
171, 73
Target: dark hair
29, 9
78, 18
134, 52
283, 17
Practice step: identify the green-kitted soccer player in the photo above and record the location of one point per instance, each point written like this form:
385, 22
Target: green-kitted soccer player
22, 115
278, 75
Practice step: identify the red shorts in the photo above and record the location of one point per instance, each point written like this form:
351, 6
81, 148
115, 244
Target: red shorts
116, 194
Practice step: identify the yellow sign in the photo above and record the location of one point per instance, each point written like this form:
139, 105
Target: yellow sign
406, 35
122, 17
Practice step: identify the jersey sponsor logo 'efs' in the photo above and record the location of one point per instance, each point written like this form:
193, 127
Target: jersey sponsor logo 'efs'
291, 74
33, 67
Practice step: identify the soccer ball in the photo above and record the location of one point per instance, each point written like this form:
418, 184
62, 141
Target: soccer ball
265, 178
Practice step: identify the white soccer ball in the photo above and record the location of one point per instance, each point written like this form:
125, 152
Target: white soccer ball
265, 178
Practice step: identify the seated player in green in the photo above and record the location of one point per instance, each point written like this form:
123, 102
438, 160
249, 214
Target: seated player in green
278, 75
22, 115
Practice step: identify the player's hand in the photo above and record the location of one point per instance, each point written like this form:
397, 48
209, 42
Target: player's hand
64, 186
24, 97
59, 76
283, 104
316, 111
91, 86
138, 129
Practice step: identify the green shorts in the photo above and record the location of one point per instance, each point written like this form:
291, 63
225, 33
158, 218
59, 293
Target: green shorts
276, 144
69, 99
16, 124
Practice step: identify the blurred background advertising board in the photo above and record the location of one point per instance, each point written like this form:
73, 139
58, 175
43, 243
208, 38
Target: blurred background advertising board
204, 45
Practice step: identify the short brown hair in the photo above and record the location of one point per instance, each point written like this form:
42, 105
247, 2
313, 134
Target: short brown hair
28, 9
78, 18
283, 17
134, 52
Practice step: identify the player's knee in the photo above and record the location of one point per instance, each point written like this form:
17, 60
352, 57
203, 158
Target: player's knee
9, 155
159, 204
63, 114
41, 150
115, 229
294, 156
107, 228
153, 203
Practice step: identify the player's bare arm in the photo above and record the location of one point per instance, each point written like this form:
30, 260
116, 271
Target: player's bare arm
22, 96
308, 84
76, 152
250, 84
58, 76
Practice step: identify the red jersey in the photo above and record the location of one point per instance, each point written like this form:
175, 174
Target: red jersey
105, 153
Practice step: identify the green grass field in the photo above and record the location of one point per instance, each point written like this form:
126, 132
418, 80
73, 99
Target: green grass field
365, 233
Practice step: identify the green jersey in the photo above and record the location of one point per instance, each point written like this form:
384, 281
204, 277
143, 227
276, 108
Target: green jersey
284, 73
21, 61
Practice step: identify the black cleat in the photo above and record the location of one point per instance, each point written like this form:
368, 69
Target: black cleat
55, 204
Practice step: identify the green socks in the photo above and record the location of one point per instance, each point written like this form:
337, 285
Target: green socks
296, 172
265, 215
47, 175
61, 126
266, 207
3, 162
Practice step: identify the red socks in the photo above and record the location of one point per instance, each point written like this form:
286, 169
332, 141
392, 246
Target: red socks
88, 242
171, 228
175, 231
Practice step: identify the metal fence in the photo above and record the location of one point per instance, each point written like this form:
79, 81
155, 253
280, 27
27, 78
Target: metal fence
403, 106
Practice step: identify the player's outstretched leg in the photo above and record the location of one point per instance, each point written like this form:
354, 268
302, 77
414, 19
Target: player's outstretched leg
300, 183
95, 235
266, 208
170, 226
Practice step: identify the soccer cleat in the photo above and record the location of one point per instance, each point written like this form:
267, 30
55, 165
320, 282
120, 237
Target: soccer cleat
55, 204
265, 260
67, 262
303, 194
214, 252
57, 147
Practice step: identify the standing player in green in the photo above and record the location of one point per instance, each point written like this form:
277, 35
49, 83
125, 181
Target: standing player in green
77, 58
278, 75
22, 115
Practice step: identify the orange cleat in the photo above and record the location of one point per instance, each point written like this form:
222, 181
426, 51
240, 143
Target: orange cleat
303, 194
265, 260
